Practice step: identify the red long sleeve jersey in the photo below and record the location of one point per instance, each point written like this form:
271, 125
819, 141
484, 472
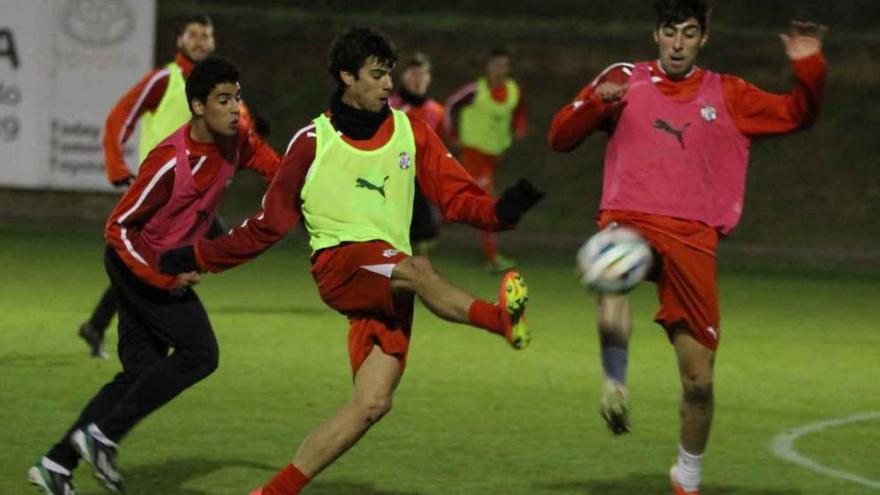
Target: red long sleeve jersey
153, 187
756, 113
441, 178
143, 97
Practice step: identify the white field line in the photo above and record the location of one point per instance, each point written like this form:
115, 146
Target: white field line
783, 447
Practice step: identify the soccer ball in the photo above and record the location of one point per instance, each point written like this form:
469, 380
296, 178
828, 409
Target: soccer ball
614, 260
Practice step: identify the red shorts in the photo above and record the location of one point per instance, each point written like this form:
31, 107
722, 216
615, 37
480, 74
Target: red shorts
355, 279
481, 167
686, 278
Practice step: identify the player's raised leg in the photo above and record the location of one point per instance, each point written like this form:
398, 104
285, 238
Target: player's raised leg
695, 364
505, 318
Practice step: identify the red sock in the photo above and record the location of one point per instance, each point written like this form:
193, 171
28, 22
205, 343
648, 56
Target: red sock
288, 481
486, 315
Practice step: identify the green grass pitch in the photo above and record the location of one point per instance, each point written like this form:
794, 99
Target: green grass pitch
471, 415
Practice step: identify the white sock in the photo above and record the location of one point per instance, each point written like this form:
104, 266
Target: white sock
99, 436
688, 469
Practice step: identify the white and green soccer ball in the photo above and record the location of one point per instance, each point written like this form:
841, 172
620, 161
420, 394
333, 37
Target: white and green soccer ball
614, 260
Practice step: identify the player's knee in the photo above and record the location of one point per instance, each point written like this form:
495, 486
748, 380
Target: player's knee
417, 270
375, 406
211, 362
205, 360
133, 369
698, 394
423, 266
614, 316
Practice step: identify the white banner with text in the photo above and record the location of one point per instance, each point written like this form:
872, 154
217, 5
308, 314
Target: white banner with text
63, 64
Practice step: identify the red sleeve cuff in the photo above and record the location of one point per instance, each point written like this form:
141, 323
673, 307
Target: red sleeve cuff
810, 68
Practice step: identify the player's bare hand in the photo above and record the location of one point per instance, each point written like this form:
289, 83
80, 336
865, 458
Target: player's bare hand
188, 279
803, 39
611, 92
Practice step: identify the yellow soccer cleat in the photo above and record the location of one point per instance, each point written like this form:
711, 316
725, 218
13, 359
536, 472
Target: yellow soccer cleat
512, 298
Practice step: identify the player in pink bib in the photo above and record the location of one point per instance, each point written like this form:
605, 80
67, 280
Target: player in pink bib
675, 171
166, 341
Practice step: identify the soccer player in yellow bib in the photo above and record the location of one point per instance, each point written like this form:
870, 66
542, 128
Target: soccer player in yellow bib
483, 117
351, 175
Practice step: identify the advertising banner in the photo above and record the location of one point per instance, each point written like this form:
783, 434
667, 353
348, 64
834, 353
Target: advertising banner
63, 64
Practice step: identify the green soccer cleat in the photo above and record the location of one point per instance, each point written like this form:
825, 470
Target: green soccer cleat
512, 298
614, 407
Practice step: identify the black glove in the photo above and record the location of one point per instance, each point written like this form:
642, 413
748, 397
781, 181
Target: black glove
178, 260
124, 182
516, 200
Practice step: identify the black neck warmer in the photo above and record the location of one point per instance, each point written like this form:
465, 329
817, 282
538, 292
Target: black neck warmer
354, 123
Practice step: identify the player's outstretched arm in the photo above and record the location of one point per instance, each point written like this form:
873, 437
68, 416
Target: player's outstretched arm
279, 214
447, 185
758, 113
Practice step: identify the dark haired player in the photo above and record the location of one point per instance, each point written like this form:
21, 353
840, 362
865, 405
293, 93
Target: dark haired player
172, 202
675, 170
351, 176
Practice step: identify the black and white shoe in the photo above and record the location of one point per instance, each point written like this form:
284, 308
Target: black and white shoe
51, 480
100, 452
93, 339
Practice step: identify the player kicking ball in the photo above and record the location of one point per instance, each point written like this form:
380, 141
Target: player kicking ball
351, 175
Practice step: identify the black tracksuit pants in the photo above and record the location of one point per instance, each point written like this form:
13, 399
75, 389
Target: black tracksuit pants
152, 322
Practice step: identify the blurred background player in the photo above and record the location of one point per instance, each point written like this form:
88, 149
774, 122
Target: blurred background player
413, 98
483, 117
351, 176
158, 102
675, 170
172, 202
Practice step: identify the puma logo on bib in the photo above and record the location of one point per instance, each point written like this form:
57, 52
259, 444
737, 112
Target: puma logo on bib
365, 184
666, 127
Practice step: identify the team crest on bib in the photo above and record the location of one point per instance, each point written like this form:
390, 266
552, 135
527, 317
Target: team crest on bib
404, 161
709, 113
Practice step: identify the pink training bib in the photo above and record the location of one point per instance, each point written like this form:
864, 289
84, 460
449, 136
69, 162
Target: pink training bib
190, 211
682, 159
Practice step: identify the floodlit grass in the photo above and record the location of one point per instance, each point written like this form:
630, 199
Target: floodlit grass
471, 416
